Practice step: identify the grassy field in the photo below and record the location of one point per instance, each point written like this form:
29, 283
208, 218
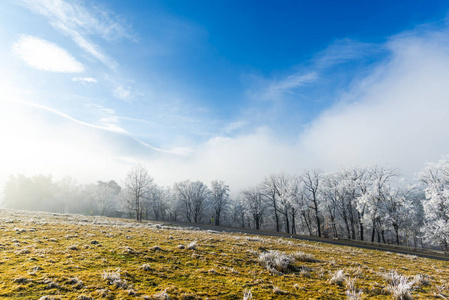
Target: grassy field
53, 256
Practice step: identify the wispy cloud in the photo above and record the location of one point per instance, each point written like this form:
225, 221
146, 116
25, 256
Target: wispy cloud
85, 79
43, 55
79, 22
122, 92
288, 85
342, 51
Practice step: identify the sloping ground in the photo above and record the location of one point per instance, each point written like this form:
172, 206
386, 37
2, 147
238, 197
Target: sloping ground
421, 252
52, 256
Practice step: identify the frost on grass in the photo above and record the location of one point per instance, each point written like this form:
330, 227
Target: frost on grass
22, 280
351, 292
247, 295
192, 245
338, 278
420, 280
76, 283
354, 294
399, 286
278, 291
146, 267
51, 283
304, 257
277, 262
113, 278
161, 296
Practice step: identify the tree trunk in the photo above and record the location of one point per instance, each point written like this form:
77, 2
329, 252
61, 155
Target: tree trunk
396, 231
293, 221
307, 223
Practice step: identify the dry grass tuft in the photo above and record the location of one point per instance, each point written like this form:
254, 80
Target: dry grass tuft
304, 257
247, 295
113, 278
192, 245
277, 262
338, 278
399, 286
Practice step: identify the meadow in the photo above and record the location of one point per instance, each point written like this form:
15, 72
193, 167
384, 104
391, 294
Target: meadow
63, 256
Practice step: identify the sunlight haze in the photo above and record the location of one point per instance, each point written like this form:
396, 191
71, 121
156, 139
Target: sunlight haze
225, 90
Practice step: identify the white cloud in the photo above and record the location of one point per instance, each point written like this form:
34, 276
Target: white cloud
43, 55
85, 79
79, 22
396, 115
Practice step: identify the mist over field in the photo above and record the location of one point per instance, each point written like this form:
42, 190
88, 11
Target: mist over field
288, 117
76, 103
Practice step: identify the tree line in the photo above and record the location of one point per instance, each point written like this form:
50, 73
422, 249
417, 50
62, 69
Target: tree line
359, 203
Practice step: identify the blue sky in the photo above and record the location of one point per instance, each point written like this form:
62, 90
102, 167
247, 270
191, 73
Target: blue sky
231, 90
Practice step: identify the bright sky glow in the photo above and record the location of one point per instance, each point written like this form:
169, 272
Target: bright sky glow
228, 90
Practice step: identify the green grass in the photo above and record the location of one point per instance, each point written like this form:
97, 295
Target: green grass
68, 256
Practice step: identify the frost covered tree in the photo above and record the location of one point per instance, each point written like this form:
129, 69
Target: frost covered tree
311, 183
157, 203
238, 212
194, 197
269, 188
255, 204
219, 199
435, 177
373, 200
106, 195
138, 184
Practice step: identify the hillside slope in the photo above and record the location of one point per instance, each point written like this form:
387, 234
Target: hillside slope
54, 256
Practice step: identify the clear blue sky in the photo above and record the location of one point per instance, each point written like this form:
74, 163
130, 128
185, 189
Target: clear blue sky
211, 89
